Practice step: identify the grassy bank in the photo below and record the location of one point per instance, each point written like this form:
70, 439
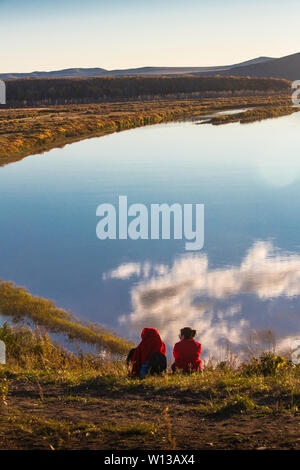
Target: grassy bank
53, 399
20, 306
26, 131
252, 115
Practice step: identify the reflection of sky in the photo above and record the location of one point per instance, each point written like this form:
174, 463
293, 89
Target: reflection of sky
247, 176
214, 301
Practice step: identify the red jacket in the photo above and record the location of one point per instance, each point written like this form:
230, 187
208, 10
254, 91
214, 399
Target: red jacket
151, 343
187, 355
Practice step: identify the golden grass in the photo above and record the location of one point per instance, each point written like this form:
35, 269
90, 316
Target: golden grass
41, 376
31, 355
257, 114
32, 130
17, 304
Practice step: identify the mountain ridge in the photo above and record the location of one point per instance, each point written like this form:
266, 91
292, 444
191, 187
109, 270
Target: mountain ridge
147, 70
287, 67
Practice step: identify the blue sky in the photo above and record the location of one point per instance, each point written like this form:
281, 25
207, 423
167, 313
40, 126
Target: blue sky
56, 34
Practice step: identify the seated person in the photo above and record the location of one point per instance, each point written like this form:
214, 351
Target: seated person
187, 352
149, 356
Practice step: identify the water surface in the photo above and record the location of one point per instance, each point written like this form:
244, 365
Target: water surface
245, 279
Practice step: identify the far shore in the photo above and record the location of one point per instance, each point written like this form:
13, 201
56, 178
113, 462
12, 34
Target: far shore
28, 131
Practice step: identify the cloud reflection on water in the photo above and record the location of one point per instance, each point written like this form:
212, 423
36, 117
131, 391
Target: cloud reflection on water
189, 293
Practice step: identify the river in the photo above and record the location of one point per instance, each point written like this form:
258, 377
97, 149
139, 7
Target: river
240, 291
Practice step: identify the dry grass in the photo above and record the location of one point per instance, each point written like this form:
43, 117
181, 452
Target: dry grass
17, 304
31, 356
51, 397
257, 114
32, 130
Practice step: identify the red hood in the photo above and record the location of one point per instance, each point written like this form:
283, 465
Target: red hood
151, 343
148, 333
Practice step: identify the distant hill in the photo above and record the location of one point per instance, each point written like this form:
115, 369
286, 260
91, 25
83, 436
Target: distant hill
285, 67
66, 73
182, 70
258, 60
99, 72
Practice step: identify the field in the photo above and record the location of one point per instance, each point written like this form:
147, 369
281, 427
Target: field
25, 131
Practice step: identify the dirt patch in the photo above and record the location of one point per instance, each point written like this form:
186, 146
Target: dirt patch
52, 417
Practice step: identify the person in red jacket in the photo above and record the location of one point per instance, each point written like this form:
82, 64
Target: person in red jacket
149, 356
187, 352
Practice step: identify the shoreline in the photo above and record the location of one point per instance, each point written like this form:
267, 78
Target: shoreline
51, 399
31, 131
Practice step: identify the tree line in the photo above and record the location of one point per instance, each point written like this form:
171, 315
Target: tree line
94, 90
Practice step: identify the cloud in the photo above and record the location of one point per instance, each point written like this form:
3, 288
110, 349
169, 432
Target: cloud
189, 293
124, 271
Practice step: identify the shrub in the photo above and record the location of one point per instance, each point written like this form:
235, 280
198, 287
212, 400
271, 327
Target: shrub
236, 404
267, 364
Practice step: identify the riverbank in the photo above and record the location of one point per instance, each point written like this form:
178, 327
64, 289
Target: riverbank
52, 399
57, 417
26, 131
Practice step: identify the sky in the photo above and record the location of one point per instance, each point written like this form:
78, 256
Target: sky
56, 34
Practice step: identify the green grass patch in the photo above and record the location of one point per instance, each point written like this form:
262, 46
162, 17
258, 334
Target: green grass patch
236, 405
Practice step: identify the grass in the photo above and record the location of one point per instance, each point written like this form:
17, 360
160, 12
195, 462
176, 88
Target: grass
33, 357
41, 362
257, 114
61, 434
236, 404
51, 398
18, 304
25, 131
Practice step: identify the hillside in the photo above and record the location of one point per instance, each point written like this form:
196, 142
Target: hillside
287, 67
100, 72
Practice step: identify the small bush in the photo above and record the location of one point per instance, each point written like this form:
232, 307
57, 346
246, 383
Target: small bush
236, 404
266, 364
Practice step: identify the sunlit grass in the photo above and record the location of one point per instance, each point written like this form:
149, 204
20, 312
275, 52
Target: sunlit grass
32, 130
17, 304
60, 433
263, 387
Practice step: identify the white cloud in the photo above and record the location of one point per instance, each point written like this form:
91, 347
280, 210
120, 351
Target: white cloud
124, 271
187, 294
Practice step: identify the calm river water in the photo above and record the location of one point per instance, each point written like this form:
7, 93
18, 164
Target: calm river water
243, 283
